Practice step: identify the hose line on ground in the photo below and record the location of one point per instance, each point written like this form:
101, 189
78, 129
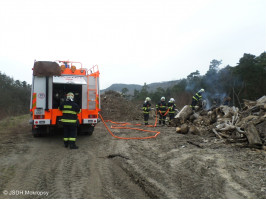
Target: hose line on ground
123, 125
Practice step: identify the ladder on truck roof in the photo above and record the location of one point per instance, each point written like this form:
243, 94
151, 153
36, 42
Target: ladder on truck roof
93, 89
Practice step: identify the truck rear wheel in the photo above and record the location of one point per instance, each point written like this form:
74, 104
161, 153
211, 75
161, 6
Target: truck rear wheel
38, 131
86, 129
35, 132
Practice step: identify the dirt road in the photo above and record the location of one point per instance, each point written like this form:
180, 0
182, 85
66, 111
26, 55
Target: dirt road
170, 166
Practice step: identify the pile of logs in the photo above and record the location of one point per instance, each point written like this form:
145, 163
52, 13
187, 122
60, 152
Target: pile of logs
227, 123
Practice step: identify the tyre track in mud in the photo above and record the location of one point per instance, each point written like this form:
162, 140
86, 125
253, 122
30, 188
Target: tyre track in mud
117, 182
176, 169
47, 166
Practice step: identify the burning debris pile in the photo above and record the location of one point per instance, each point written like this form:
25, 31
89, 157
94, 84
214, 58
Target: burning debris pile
117, 108
227, 123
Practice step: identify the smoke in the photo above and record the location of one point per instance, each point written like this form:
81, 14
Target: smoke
191, 86
213, 99
213, 84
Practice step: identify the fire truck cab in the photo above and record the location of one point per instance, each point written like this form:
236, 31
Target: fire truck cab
51, 81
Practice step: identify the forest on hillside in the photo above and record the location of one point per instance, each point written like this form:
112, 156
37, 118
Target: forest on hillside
246, 80
15, 96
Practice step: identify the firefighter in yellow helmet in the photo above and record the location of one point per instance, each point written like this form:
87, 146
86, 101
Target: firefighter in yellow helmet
69, 120
146, 109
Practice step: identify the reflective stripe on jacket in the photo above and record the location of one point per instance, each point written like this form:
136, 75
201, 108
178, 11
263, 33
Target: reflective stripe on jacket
197, 96
161, 106
70, 110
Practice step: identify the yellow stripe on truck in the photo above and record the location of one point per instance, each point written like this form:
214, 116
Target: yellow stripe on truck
34, 100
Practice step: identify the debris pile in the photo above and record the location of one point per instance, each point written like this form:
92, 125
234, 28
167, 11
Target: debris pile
116, 108
227, 123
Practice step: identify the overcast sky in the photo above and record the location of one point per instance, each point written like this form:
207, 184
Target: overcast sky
132, 41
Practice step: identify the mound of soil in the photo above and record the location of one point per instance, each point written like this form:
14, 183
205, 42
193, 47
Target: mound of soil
116, 108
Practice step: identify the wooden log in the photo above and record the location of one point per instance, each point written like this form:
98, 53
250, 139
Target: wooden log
252, 135
262, 100
225, 127
224, 135
193, 130
216, 133
184, 114
184, 128
178, 129
239, 130
248, 104
250, 119
229, 111
194, 116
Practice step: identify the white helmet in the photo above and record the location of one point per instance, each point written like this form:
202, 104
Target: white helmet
148, 99
70, 96
201, 90
172, 100
163, 99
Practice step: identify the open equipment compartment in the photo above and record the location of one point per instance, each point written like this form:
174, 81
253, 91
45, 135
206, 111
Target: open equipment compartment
60, 90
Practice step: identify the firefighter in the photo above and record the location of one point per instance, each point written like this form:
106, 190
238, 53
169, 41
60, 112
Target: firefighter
161, 110
146, 109
171, 107
196, 98
70, 110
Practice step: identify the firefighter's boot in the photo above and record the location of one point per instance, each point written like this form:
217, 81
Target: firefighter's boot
73, 145
66, 143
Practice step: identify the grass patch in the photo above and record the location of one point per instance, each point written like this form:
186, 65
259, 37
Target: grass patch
6, 174
10, 124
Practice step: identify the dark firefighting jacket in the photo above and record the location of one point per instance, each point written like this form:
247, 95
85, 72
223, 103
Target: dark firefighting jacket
70, 110
146, 107
197, 96
171, 106
161, 107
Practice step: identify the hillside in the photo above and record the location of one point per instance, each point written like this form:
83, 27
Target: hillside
117, 87
131, 87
